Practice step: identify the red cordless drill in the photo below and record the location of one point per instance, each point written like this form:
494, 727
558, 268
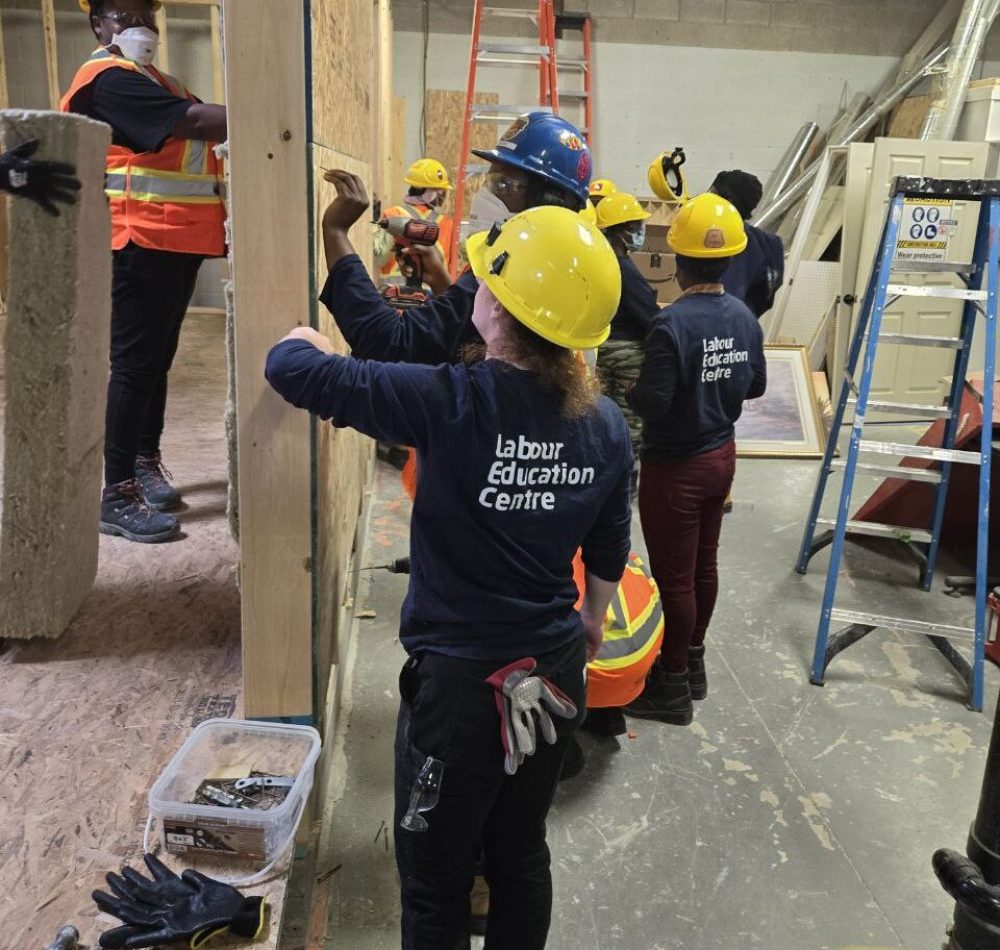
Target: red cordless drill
409, 231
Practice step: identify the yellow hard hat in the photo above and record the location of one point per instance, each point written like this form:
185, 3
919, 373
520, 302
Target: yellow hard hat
602, 188
85, 5
620, 208
427, 173
553, 272
707, 226
660, 171
589, 212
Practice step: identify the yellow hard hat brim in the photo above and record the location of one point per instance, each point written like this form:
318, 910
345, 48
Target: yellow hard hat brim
475, 251
445, 186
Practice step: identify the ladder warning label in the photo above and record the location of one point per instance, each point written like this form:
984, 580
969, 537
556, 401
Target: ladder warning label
925, 230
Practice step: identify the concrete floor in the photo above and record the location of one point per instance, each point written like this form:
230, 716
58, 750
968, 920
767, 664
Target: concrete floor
786, 817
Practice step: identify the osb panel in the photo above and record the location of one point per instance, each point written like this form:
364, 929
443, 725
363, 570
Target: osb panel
908, 118
384, 144
343, 456
397, 150
444, 111
90, 720
344, 71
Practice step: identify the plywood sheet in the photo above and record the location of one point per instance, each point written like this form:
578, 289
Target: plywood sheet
445, 111
908, 118
343, 71
395, 188
343, 456
153, 651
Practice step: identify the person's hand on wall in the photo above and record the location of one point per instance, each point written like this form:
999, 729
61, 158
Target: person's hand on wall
42, 181
343, 211
310, 336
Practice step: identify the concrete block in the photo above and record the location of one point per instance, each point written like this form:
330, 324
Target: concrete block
658, 9
600, 9
55, 377
751, 12
703, 11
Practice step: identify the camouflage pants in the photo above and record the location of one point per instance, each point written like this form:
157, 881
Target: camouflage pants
618, 365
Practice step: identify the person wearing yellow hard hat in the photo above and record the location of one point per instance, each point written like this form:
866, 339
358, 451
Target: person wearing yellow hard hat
704, 357
428, 186
623, 221
522, 462
758, 271
164, 186
601, 188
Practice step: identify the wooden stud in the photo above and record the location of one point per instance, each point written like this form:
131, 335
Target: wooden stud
4, 96
163, 53
51, 52
218, 79
269, 209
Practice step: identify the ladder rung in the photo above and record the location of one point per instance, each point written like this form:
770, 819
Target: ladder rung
511, 14
901, 623
876, 530
572, 62
909, 339
920, 451
932, 267
573, 95
894, 471
906, 408
947, 293
514, 49
489, 108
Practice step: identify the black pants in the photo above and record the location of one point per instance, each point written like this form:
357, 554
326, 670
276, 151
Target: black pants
448, 711
150, 294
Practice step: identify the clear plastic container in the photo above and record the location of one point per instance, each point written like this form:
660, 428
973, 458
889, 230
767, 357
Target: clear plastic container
230, 748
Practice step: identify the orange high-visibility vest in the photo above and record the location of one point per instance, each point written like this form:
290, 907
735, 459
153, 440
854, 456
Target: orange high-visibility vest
170, 200
633, 632
390, 270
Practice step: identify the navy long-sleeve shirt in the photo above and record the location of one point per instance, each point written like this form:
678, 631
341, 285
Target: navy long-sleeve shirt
508, 491
755, 274
637, 307
431, 333
703, 358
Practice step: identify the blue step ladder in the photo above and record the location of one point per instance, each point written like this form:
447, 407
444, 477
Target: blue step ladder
980, 296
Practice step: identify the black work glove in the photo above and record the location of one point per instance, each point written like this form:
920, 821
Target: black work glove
169, 909
43, 182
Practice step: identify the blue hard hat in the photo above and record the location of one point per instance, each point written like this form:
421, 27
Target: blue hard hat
545, 145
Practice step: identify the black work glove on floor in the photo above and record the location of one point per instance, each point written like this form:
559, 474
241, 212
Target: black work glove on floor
169, 909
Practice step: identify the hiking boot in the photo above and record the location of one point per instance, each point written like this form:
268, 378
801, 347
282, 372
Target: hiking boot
152, 478
479, 901
605, 723
574, 762
697, 678
125, 512
666, 698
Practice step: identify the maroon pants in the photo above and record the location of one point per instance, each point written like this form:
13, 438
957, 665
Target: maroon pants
680, 505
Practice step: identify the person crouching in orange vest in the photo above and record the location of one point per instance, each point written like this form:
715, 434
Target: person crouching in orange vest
164, 186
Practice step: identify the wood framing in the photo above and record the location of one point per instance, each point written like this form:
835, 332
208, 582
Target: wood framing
51, 52
269, 209
163, 54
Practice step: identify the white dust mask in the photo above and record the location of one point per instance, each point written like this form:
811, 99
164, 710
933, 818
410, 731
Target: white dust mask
138, 43
485, 211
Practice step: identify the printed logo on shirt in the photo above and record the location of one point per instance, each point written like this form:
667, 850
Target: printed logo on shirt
718, 358
522, 472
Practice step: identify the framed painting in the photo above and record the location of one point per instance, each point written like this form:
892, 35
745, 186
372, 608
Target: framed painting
785, 422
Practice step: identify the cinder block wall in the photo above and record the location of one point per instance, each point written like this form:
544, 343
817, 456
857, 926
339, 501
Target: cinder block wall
731, 80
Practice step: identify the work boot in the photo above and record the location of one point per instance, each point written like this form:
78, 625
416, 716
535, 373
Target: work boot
152, 478
666, 698
479, 901
697, 678
605, 723
574, 761
125, 512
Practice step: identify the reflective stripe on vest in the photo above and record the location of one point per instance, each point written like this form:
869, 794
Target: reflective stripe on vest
631, 629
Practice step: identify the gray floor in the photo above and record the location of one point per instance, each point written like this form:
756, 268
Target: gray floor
786, 817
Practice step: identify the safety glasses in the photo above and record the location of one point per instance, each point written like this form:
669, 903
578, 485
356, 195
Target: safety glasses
129, 20
501, 184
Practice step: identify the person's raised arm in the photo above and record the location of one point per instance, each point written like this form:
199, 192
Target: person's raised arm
203, 122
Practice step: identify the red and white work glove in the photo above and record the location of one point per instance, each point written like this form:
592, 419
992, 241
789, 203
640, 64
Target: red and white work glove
521, 699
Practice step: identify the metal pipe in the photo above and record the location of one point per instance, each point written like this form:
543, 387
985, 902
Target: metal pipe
864, 122
789, 162
967, 41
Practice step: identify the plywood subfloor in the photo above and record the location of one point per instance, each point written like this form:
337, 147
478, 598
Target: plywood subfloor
88, 721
